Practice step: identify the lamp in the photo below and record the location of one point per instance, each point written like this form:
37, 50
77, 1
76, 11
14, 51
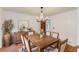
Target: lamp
41, 18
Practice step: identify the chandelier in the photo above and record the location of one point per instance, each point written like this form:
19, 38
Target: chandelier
42, 17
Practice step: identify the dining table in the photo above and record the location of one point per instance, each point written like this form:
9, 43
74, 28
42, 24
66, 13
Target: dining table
43, 42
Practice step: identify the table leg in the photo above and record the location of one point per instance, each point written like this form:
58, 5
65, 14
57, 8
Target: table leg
40, 50
58, 45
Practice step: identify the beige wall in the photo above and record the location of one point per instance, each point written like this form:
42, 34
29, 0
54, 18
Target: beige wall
78, 26
65, 24
1, 21
16, 17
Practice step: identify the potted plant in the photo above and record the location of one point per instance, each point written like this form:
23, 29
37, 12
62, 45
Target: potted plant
7, 27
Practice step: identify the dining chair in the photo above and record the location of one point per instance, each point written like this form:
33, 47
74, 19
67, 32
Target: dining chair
32, 47
62, 46
48, 33
25, 44
55, 34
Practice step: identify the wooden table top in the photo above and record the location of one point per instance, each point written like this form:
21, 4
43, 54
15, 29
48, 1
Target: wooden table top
42, 42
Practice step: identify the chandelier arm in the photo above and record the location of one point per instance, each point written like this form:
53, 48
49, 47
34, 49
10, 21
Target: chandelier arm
41, 18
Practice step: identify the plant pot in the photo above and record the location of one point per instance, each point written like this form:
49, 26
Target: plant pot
6, 39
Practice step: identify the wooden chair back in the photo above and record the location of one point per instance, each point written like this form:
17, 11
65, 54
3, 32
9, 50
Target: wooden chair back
26, 44
55, 34
63, 45
48, 33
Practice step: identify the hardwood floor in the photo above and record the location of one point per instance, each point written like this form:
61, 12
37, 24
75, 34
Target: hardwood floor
12, 48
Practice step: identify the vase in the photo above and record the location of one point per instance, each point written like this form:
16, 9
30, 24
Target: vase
6, 39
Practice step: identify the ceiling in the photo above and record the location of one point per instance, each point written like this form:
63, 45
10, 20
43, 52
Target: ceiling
36, 10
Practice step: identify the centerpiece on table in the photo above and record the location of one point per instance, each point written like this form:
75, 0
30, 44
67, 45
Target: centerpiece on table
42, 33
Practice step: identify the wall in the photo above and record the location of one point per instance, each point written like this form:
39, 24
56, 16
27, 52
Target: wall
65, 24
78, 26
16, 17
1, 20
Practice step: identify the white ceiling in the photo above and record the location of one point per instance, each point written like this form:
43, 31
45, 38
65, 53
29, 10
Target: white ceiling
36, 10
